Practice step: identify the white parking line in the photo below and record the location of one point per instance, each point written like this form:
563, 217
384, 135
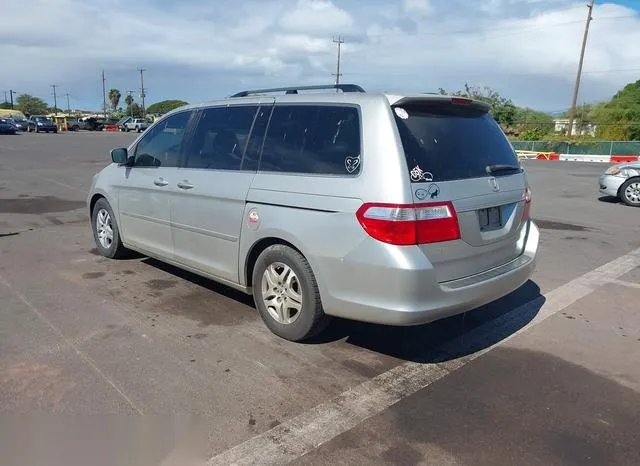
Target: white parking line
69, 343
306, 432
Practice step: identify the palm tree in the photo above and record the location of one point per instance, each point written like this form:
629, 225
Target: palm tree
114, 98
129, 101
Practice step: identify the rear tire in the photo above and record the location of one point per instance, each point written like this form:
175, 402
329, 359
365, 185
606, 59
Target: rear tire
284, 282
630, 192
104, 221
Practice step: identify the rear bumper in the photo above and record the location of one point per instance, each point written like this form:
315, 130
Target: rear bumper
411, 295
610, 185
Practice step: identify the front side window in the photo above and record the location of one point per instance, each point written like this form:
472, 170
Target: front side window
314, 139
161, 147
220, 137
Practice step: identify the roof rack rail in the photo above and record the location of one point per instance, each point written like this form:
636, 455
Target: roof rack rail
295, 89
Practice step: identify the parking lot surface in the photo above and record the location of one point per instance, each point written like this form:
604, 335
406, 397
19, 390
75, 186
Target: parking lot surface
547, 375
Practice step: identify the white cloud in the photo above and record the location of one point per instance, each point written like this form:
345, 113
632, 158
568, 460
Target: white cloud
316, 16
197, 49
421, 7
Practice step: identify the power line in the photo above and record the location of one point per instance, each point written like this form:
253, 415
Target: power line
572, 110
104, 96
142, 94
513, 29
55, 99
337, 74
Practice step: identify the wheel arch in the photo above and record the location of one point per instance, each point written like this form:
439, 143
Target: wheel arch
257, 248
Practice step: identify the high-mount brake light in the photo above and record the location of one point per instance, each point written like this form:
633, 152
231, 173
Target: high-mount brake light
410, 224
461, 101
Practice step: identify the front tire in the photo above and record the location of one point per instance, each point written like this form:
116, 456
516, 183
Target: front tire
105, 231
286, 294
630, 192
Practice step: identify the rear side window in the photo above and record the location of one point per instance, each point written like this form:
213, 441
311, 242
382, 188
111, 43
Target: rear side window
313, 139
444, 142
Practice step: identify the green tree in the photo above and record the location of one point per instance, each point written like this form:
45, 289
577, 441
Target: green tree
114, 98
619, 119
5, 105
533, 122
135, 110
31, 105
165, 106
129, 101
501, 108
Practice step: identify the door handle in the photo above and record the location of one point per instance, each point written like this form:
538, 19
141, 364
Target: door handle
185, 185
160, 182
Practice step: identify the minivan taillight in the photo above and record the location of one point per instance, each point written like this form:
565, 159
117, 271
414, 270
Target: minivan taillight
410, 224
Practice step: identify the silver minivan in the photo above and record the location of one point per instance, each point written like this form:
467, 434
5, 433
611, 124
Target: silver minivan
392, 209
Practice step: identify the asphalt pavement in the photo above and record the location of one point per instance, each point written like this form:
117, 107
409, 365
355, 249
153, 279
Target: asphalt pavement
547, 375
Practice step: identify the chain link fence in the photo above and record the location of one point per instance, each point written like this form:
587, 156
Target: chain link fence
583, 148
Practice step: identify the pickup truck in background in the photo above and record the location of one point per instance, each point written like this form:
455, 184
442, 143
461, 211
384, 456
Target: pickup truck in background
137, 124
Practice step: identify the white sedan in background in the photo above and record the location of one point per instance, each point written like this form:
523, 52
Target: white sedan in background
622, 181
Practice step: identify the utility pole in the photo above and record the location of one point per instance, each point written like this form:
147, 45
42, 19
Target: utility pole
104, 96
68, 106
142, 96
5, 97
337, 74
55, 99
11, 92
572, 111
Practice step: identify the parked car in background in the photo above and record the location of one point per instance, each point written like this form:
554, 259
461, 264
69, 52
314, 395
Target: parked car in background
391, 209
91, 124
20, 123
73, 124
137, 124
623, 182
120, 124
7, 126
41, 123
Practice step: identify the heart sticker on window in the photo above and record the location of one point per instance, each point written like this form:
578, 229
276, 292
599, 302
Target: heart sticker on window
351, 164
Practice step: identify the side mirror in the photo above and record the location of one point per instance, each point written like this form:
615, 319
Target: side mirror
120, 155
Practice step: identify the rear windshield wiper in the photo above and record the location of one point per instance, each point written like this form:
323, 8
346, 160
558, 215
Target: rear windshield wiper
498, 168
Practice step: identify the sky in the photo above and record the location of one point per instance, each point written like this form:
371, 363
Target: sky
199, 50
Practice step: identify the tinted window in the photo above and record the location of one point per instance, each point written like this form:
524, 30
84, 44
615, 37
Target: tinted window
160, 147
254, 146
313, 139
451, 142
220, 137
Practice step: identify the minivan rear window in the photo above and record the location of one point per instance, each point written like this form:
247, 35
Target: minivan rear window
444, 142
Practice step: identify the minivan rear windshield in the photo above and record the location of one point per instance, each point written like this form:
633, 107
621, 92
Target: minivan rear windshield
444, 142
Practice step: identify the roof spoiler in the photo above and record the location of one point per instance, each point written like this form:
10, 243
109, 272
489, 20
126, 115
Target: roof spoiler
444, 99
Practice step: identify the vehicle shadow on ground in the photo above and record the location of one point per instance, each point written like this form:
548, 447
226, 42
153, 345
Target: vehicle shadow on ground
442, 340
445, 339
203, 282
609, 200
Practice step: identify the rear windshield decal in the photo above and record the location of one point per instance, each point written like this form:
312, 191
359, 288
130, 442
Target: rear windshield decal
434, 191
402, 113
417, 174
351, 164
